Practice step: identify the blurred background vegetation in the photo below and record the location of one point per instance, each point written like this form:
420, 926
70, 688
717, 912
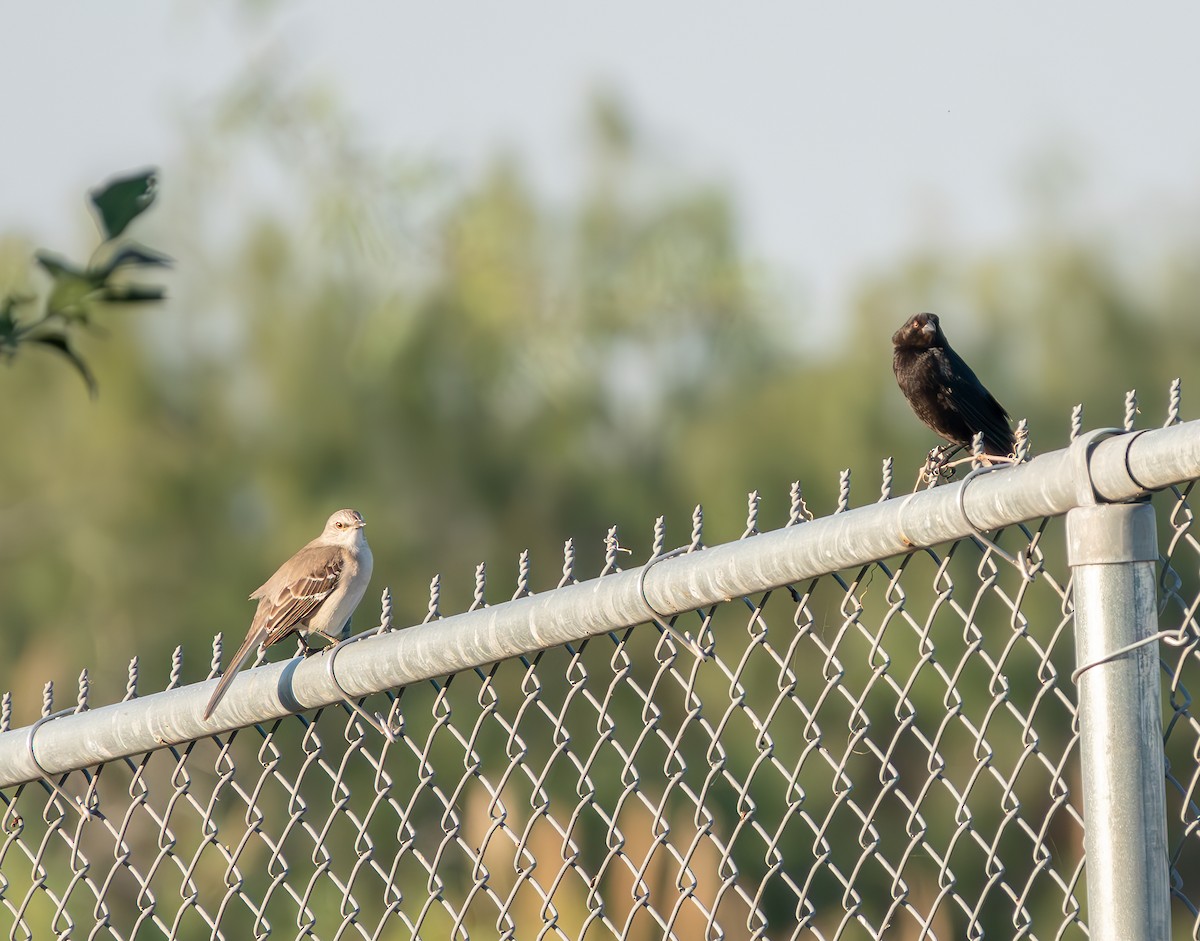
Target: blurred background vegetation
481, 369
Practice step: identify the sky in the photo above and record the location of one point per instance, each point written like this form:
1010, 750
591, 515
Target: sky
847, 132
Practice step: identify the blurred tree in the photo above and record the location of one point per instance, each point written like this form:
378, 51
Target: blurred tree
479, 371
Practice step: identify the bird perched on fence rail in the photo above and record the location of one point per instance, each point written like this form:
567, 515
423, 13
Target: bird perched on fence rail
314, 592
946, 394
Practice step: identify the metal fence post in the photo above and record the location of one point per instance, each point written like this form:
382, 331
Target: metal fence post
1112, 550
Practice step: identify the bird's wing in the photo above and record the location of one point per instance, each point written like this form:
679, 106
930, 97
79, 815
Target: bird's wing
976, 405
288, 598
303, 583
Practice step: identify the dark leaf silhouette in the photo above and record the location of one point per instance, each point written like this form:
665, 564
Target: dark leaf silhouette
58, 341
122, 199
132, 293
136, 255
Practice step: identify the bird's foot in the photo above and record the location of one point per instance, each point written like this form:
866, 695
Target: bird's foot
330, 642
307, 650
936, 468
984, 460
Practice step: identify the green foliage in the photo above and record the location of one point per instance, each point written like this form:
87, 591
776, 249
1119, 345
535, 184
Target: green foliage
481, 369
76, 291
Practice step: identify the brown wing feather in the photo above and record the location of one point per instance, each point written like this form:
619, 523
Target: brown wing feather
295, 602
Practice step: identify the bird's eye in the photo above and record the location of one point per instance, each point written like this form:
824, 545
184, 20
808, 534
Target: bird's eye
340, 525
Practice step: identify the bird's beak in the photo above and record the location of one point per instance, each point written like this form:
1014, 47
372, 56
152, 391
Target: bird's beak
929, 329
360, 524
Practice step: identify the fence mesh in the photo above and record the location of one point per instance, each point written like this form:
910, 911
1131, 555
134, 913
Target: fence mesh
889, 752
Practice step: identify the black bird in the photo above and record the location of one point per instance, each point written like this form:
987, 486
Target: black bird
944, 392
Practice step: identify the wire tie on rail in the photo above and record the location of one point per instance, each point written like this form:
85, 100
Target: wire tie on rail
667, 627
80, 807
1021, 561
377, 721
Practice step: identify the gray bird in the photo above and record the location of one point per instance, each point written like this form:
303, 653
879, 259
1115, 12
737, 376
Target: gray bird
314, 592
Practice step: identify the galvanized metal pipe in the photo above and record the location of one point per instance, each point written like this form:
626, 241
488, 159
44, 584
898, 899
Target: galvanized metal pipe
1120, 468
1113, 551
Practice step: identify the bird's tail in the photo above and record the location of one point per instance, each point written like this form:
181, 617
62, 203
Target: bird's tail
250, 644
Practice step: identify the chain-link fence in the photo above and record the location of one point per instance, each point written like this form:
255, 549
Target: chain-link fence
871, 731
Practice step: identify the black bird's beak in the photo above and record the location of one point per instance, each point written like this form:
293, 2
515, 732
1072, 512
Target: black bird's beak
930, 329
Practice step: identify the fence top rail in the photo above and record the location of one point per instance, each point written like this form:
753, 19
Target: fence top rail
1106, 466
